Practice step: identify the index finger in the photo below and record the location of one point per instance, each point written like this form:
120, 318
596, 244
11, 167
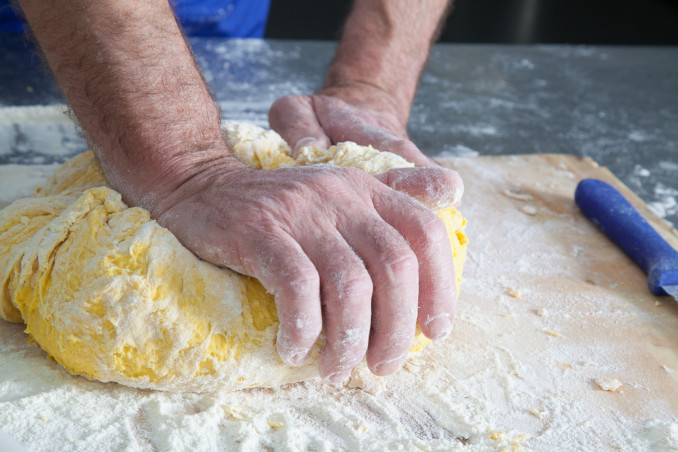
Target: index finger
436, 188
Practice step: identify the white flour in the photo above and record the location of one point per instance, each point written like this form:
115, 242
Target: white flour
517, 371
666, 203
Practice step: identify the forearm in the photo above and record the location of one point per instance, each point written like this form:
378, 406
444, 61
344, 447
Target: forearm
385, 44
134, 86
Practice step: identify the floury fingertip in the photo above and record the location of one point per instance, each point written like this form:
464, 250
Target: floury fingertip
439, 326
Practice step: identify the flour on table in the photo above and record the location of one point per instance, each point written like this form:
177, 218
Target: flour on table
497, 383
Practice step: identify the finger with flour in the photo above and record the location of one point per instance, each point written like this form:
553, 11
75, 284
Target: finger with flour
346, 294
437, 188
285, 270
393, 268
427, 237
273, 257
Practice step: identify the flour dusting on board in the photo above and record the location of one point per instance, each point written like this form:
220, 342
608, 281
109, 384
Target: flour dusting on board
518, 372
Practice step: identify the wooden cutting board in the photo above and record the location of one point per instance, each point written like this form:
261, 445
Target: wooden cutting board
584, 311
548, 306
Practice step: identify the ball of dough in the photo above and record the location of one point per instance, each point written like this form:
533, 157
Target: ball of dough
113, 296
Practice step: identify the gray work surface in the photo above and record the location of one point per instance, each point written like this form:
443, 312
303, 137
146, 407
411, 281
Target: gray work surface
617, 105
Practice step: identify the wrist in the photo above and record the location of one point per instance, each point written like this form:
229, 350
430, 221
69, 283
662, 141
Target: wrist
355, 78
364, 94
382, 106
147, 179
385, 44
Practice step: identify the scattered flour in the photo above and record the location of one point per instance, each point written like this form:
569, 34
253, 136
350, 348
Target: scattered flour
638, 135
667, 201
458, 150
639, 170
668, 166
498, 382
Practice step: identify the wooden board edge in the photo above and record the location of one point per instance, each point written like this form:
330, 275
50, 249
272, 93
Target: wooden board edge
590, 168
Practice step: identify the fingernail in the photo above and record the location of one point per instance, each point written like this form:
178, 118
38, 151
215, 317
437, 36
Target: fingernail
439, 327
290, 354
303, 142
338, 377
388, 366
296, 358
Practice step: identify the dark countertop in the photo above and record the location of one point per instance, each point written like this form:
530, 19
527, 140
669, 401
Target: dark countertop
617, 105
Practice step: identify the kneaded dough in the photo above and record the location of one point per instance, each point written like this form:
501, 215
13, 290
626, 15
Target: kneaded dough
113, 296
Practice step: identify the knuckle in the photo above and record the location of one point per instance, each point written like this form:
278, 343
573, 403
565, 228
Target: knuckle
395, 254
284, 103
402, 145
398, 145
302, 334
352, 341
355, 288
346, 350
432, 231
401, 264
302, 284
354, 173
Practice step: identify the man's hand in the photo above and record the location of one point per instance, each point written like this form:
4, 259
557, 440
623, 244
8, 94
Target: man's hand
368, 94
334, 246
371, 82
365, 117
360, 113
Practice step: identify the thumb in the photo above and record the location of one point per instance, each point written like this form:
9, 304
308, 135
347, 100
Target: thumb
437, 188
293, 117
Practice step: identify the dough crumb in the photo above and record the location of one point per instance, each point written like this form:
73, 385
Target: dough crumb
413, 364
551, 333
517, 195
275, 425
235, 414
362, 428
362, 378
496, 435
541, 312
529, 210
513, 292
536, 413
609, 384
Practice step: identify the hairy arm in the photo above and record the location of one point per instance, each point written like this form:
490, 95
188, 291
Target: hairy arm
385, 46
371, 83
135, 88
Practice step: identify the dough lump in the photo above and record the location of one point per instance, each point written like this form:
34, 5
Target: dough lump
113, 296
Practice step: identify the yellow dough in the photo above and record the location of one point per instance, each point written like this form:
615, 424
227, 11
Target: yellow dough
113, 296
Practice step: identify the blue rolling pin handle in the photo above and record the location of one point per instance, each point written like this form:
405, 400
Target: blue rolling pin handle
622, 223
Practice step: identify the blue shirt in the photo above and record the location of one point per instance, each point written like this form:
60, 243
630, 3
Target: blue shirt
224, 18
